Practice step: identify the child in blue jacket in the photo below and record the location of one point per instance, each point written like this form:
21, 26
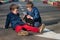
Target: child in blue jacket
32, 16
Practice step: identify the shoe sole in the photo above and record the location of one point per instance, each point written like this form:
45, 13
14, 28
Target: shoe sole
24, 33
42, 28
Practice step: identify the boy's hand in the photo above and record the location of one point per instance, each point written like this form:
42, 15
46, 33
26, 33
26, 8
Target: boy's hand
31, 17
28, 16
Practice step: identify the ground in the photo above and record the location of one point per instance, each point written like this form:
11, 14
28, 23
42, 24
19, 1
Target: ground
50, 17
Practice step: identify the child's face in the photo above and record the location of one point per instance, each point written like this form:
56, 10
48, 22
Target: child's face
28, 5
15, 11
29, 8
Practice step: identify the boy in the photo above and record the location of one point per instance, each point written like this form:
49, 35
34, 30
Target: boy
14, 19
33, 16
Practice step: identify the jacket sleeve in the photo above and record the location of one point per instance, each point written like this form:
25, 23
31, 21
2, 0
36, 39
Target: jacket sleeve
36, 14
7, 22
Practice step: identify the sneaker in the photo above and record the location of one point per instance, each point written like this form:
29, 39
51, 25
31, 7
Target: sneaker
23, 33
41, 28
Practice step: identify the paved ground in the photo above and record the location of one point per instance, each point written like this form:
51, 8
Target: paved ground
50, 16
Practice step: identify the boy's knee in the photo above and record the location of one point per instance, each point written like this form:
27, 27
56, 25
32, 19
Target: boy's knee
36, 24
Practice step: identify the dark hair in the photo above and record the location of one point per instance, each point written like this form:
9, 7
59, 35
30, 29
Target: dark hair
13, 6
30, 3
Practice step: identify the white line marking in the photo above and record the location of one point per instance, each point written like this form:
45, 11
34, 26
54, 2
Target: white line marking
21, 6
50, 34
22, 9
24, 13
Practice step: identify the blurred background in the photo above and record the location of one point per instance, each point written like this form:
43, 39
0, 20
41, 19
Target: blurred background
49, 11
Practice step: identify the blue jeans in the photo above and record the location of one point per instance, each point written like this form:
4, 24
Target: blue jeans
37, 24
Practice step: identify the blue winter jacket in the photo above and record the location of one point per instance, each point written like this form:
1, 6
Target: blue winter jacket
35, 14
14, 19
